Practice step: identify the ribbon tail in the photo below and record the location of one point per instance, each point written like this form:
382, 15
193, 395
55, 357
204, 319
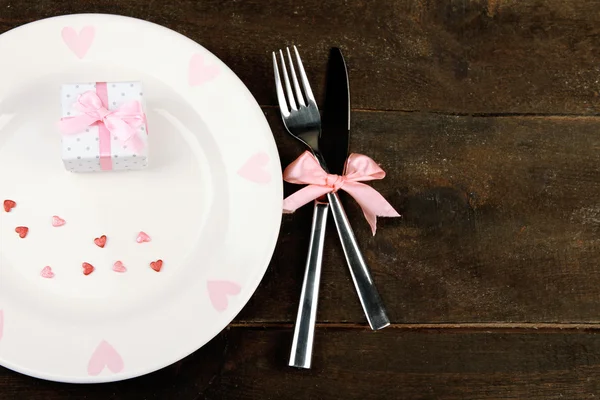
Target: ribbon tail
72, 125
302, 197
124, 132
136, 143
373, 204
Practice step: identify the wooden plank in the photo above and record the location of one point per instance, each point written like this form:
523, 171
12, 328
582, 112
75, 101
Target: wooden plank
456, 57
353, 364
500, 223
359, 364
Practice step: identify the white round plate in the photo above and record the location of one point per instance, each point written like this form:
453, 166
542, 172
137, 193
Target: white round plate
210, 199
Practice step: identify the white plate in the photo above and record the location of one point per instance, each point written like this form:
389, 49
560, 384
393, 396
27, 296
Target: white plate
210, 199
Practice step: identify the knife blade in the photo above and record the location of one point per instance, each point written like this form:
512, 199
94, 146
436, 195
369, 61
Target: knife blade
335, 121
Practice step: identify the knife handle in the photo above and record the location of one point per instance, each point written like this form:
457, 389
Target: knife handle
304, 330
367, 292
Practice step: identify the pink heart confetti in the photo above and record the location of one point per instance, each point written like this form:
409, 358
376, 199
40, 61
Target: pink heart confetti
199, 72
47, 273
119, 267
105, 356
58, 221
254, 168
78, 43
218, 291
143, 237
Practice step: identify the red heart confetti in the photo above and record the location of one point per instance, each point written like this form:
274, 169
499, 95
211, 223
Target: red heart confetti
22, 231
156, 265
9, 205
101, 241
87, 268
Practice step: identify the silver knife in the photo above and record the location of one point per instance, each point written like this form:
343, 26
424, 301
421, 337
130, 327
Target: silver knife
334, 146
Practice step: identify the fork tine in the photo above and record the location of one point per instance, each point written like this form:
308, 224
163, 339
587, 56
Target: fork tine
283, 107
295, 79
286, 80
303, 77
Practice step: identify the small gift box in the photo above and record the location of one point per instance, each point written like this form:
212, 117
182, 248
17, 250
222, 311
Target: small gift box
103, 126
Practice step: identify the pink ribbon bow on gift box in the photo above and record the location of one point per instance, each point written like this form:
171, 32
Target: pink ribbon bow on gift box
122, 123
306, 170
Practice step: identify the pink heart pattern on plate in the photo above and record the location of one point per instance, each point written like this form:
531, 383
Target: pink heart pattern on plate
254, 168
218, 291
199, 72
79, 43
105, 356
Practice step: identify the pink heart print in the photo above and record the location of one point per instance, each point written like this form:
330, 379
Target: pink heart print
119, 267
254, 168
199, 72
79, 43
1, 323
218, 291
105, 356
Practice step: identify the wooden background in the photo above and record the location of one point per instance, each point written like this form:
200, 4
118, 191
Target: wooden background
485, 116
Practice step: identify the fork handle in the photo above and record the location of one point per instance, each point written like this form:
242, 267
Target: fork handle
367, 292
304, 330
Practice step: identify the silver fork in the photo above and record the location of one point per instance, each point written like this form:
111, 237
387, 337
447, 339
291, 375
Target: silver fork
303, 121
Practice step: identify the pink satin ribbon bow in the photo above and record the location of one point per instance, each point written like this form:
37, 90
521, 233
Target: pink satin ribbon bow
306, 170
123, 122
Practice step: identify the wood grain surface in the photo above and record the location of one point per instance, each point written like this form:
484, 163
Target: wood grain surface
500, 223
419, 364
484, 115
500, 56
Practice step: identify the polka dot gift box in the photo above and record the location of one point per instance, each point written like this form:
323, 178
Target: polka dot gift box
103, 127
